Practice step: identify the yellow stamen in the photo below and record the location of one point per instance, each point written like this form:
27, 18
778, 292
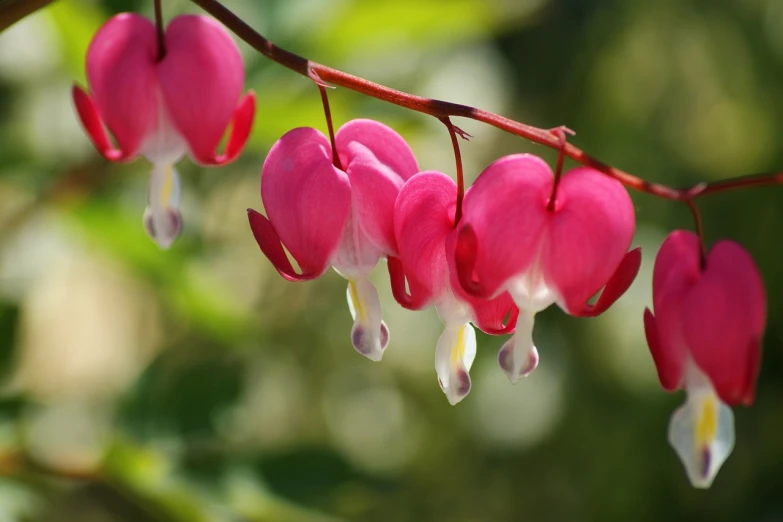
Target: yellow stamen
357, 304
706, 424
168, 186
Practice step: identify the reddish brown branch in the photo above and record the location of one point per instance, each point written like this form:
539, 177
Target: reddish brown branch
11, 11
443, 109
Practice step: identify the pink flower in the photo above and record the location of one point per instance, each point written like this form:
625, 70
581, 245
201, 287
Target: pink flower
509, 240
705, 337
326, 216
424, 229
163, 108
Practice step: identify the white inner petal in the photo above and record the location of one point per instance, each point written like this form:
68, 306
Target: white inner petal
702, 430
530, 291
163, 144
161, 218
518, 356
355, 253
454, 356
369, 334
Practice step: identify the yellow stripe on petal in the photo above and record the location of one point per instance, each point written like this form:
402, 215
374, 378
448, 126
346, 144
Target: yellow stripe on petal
357, 303
458, 350
706, 423
168, 186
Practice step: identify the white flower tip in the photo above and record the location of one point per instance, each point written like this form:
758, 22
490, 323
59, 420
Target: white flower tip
517, 361
370, 344
164, 227
702, 434
458, 386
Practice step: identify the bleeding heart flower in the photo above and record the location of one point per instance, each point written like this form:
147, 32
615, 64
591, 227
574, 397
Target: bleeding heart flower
424, 229
326, 216
510, 240
705, 337
164, 107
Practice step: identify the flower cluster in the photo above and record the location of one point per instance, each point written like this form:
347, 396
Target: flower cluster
521, 239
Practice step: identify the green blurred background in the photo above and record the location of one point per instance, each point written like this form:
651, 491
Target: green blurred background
197, 385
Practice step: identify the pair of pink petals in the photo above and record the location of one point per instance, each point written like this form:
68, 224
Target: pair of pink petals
331, 217
164, 107
195, 88
510, 241
714, 315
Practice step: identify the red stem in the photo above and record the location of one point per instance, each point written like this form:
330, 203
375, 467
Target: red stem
160, 30
458, 159
443, 109
328, 115
699, 230
561, 134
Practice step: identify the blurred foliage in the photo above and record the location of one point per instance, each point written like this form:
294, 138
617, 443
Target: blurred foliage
196, 385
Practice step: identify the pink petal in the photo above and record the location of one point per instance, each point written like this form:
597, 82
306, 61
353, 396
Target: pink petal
201, 78
675, 272
502, 223
307, 200
723, 321
423, 219
677, 265
241, 125
670, 364
91, 120
121, 75
496, 316
588, 235
377, 162
270, 245
620, 281
408, 293
388, 147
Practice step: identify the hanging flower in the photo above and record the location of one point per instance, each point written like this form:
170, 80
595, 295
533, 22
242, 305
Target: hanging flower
340, 217
705, 337
164, 107
424, 229
511, 239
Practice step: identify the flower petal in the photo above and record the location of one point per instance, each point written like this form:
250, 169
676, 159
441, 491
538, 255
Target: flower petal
201, 79
503, 219
92, 123
423, 219
723, 321
269, 242
588, 235
369, 335
668, 363
121, 74
518, 356
241, 125
620, 281
388, 147
454, 356
162, 219
497, 316
307, 200
702, 434
377, 161
410, 294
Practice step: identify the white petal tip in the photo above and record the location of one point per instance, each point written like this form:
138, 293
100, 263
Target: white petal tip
458, 386
163, 229
702, 434
515, 364
369, 345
